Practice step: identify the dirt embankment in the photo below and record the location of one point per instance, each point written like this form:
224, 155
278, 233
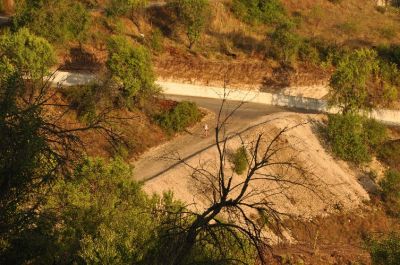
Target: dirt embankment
246, 74
334, 184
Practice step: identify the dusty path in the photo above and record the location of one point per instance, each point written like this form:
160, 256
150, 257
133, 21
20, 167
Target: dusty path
158, 160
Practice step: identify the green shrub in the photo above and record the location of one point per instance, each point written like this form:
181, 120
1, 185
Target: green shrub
390, 187
259, 11
349, 83
353, 138
385, 251
239, 160
156, 40
349, 27
388, 32
57, 21
193, 15
181, 116
374, 133
84, 99
309, 53
389, 153
285, 43
123, 7
131, 68
345, 136
390, 53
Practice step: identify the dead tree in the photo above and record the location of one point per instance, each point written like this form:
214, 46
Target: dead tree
240, 206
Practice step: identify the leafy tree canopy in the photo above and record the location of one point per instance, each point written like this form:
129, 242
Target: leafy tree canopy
349, 82
31, 55
131, 68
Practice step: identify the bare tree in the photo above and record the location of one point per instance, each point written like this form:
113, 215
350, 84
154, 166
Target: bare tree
241, 207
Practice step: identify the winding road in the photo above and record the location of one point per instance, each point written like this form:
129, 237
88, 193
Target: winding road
162, 158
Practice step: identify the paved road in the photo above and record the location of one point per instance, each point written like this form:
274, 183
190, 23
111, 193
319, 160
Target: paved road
158, 160
4, 20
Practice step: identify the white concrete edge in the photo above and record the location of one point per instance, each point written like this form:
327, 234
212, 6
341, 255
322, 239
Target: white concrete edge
391, 117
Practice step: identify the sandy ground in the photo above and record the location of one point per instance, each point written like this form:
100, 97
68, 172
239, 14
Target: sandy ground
333, 185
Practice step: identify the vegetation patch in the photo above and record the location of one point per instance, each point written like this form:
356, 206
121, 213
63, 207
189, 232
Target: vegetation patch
385, 251
179, 118
390, 187
259, 11
354, 138
389, 153
239, 160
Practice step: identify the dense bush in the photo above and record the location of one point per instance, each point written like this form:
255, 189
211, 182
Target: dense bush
390, 53
193, 15
389, 153
180, 117
374, 133
350, 79
259, 11
353, 138
131, 69
123, 7
85, 100
308, 52
385, 251
390, 186
29, 54
239, 160
285, 43
57, 21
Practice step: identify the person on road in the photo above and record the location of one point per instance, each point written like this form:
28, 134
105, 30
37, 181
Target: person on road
206, 130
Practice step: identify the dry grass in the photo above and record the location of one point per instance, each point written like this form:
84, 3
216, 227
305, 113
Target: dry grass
352, 22
233, 50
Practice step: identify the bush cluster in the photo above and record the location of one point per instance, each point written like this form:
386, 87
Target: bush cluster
131, 69
389, 153
259, 11
390, 190
354, 138
57, 21
239, 160
385, 251
181, 116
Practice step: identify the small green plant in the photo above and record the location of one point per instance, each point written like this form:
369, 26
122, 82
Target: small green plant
349, 27
388, 32
309, 53
285, 43
389, 153
156, 40
390, 189
385, 251
239, 160
179, 118
259, 11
